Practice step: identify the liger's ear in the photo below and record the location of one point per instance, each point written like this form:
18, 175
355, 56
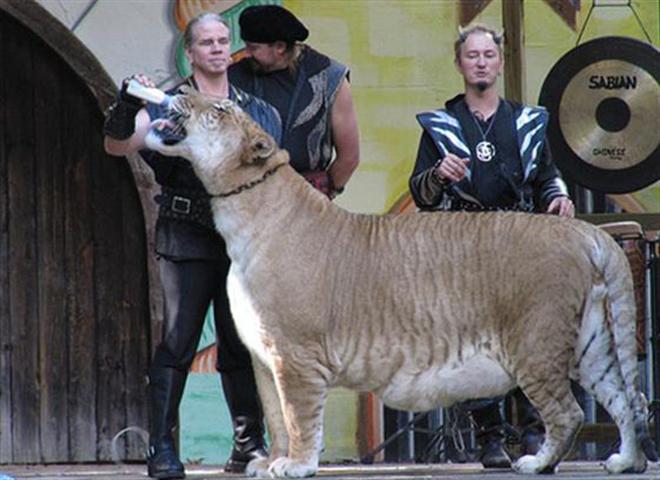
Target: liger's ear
262, 147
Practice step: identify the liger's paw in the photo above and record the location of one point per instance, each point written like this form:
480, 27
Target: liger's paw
290, 468
530, 464
258, 468
617, 463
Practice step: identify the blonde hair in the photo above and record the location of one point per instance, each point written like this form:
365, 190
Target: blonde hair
463, 35
189, 38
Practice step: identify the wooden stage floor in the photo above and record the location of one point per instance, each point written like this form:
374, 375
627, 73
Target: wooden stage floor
441, 471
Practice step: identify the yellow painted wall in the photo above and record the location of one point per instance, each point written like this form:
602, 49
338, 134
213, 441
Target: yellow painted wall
401, 60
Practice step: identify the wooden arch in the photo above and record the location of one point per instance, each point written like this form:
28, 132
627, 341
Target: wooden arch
75, 305
72, 51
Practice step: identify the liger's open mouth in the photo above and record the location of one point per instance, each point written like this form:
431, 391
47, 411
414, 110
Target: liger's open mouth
170, 129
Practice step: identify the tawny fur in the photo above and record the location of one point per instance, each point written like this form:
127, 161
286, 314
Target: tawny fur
422, 309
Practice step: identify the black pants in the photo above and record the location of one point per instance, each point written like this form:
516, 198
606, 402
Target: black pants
488, 417
189, 287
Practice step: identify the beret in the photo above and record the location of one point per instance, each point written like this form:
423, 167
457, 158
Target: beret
271, 23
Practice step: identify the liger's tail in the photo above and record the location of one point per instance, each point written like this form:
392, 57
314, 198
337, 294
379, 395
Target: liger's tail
611, 261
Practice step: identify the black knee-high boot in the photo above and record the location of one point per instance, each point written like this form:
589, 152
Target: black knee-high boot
491, 435
165, 390
247, 418
530, 423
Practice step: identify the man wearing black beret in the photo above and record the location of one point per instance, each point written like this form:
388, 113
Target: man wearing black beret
309, 90
270, 23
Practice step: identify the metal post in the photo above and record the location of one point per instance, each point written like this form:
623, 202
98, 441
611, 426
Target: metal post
654, 288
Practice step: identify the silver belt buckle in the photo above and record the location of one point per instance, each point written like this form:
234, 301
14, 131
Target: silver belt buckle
181, 205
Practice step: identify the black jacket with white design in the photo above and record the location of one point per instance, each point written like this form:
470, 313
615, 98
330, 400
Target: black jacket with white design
533, 182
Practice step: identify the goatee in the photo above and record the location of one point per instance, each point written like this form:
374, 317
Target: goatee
255, 66
482, 86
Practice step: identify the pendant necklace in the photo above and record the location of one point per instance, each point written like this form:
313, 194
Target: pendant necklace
485, 149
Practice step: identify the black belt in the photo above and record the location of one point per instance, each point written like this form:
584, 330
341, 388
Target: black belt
458, 204
187, 205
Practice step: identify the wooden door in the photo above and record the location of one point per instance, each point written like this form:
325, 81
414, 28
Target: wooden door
74, 307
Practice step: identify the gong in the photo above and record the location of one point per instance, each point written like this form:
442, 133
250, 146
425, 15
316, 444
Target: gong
603, 97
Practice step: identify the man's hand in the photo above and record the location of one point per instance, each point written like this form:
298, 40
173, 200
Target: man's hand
452, 168
140, 78
127, 122
322, 181
120, 117
562, 206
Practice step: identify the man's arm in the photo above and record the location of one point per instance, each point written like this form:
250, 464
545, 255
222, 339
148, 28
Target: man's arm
425, 186
552, 191
132, 144
345, 136
127, 121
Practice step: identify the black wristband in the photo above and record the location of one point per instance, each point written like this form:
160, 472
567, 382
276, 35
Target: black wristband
124, 96
120, 119
334, 190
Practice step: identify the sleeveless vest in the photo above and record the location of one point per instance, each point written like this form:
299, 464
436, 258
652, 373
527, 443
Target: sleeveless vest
307, 133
